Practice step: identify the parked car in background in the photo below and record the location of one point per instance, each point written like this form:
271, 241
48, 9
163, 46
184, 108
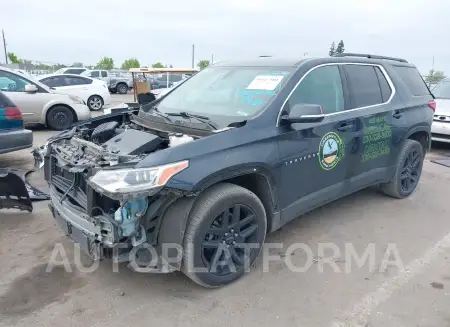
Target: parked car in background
71, 70
116, 83
440, 130
167, 81
93, 91
40, 104
13, 136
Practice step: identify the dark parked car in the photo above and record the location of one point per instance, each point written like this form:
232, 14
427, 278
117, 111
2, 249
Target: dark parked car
13, 136
195, 180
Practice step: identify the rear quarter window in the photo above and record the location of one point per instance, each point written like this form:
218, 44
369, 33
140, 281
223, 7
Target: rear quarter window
413, 80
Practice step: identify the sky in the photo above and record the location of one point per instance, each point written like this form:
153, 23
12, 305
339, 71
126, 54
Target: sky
62, 31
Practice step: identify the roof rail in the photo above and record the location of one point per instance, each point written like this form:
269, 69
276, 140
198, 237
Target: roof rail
368, 56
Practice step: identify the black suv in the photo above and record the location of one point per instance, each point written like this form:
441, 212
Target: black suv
196, 179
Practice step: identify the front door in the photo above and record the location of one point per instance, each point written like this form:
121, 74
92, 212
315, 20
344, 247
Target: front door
30, 104
317, 159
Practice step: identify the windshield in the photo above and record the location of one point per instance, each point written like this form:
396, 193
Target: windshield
442, 90
232, 93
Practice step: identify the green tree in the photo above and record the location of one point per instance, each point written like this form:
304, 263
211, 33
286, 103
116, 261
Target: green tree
434, 76
158, 65
77, 64
332, 49
13, 59
106, 63
131, 63
340, 47
202, 64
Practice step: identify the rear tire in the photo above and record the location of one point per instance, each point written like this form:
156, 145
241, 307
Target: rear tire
60, 118
95, 103
407, 171
216, 245
122, 88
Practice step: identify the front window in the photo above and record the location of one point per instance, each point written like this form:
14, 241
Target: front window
233, 93
442, 90
12, 83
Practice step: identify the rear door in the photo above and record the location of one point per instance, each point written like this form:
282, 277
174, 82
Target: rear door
317, 159
77, 86
371, 93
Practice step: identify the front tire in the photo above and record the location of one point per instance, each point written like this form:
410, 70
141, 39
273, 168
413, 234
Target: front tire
225, 233
122, 88
60, 117
95, 103
407, 172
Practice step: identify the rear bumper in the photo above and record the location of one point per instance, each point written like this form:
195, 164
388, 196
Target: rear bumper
15, 140
440, 132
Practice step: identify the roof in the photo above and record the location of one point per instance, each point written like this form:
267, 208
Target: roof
163, 70
262, 62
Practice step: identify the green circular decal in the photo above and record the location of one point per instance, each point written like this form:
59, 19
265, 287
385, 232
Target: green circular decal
331, 150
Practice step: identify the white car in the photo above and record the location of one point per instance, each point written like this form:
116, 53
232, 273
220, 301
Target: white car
440, 129
41, 105
93, 91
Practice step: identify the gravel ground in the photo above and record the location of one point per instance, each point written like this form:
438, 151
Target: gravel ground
415, 231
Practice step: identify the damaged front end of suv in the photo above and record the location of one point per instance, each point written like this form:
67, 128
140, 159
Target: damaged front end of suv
104, 198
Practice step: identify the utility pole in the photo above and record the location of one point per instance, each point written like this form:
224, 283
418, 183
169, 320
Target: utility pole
193, 55
4, 47
432, 65
212, 58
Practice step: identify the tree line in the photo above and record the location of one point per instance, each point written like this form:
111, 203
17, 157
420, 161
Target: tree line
106, 63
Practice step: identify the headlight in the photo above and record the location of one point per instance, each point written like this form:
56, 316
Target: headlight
76, 99
135, 180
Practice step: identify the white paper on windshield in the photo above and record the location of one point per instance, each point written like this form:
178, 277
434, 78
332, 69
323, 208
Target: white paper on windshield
265, 82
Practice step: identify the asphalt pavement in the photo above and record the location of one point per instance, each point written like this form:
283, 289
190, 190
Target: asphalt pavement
315, 279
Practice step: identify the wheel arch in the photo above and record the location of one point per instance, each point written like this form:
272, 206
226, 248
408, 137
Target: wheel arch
60, 105
421, 135
256, 179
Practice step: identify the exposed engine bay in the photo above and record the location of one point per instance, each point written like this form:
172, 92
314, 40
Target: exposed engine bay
112, 143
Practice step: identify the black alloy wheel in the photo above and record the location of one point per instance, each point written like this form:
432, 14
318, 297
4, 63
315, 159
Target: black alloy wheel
224, 236
407, 171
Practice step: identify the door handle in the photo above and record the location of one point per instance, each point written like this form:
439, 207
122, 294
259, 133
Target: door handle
397, 114
345, 127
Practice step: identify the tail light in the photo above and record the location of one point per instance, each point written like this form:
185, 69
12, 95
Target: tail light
13, 113
432, 105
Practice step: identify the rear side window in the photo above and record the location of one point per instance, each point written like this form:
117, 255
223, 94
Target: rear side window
5, 101
364, 86
413, 80
74, 81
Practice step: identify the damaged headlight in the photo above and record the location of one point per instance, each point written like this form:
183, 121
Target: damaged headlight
135, 180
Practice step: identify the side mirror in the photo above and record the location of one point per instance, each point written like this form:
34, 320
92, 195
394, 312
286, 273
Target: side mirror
31, 88
304, 113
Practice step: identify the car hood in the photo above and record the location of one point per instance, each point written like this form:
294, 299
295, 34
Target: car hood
442, 106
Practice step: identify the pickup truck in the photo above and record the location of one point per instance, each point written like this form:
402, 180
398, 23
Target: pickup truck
116, 82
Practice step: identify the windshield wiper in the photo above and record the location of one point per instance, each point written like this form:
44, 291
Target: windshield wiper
160, 114
200, 118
